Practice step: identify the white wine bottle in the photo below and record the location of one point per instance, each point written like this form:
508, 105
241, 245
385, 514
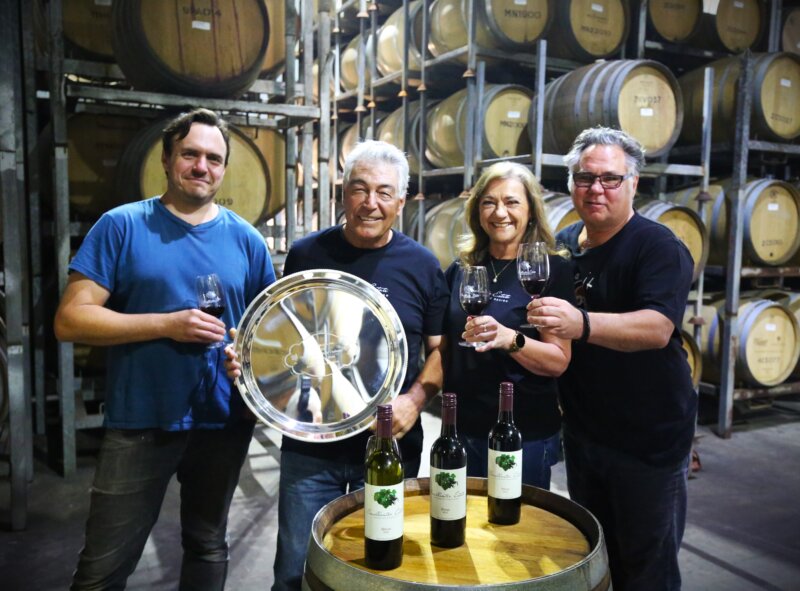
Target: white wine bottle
505, 463
383, 498
448, 482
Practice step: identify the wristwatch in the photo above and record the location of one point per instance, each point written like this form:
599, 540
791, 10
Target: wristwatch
517, 343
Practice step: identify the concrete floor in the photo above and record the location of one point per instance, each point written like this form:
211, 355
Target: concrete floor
743, 530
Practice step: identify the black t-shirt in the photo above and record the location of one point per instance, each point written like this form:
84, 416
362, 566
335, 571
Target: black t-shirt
410, 277
475, 377
642, 402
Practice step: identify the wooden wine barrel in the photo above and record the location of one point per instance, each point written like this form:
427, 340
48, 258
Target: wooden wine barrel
768, 348
348, 69
503, 116
673, 21
790, 299
246, 188
445, 223
556, 545
693, 356
684, 222
184, 47
586, 30
641, 97
790, 32
736, 25
502, 24
348, 18
275, 56
392, 129
776, 99
560, 210
771, 220
87, 28
271, 143
95, 144
389, 52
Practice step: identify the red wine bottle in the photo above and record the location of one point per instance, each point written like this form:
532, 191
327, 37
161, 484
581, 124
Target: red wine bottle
448, 482
505, 463
383, 498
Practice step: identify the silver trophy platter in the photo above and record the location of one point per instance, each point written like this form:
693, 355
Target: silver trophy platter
320, 350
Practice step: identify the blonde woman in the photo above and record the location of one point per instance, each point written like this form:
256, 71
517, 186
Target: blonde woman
505, 209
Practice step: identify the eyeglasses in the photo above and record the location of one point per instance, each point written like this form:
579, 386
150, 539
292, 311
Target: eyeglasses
608, 181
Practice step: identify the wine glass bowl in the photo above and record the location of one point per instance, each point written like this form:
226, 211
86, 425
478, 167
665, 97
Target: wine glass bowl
474, 294
533, 269
210, 298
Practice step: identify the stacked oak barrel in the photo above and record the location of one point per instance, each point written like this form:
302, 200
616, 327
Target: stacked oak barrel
658, 98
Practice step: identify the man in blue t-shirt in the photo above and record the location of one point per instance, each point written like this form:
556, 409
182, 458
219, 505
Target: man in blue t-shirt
627, 395
168, 404
313, 474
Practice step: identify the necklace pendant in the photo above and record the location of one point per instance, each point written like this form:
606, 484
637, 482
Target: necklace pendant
494, 280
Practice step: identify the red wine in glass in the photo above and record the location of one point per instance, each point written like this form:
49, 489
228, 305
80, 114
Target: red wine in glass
533, 269
474, 294
210, 298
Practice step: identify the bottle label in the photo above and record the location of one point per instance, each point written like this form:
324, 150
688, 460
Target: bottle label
505, 474
448, 493
383, 512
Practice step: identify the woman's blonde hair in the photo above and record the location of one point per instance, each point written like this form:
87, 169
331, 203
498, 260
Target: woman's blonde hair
474, 245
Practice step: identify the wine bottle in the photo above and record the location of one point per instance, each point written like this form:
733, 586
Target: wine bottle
505, 463
448, 482
383, 498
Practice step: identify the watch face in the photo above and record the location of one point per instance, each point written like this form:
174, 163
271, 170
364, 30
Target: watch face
519, 340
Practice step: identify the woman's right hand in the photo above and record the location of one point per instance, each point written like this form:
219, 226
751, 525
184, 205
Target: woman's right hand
232, 366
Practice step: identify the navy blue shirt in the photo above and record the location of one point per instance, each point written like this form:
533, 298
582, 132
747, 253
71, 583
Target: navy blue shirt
475, 377
643, 402
409, 276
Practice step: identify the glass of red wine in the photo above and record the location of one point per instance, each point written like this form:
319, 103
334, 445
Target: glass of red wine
473, 294
533, 269
210, 298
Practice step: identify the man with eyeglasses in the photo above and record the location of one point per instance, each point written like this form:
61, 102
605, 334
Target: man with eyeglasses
627, 396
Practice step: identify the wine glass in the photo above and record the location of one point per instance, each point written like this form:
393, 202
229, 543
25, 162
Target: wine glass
210, 298
533, 269
473, 294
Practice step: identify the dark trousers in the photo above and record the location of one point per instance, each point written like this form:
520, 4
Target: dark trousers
642, 509
133, 470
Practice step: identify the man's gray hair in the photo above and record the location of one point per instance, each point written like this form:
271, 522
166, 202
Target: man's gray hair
378, 151
605, 136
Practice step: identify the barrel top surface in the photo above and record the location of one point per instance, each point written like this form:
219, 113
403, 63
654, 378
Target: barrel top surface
210, 43
87, 23
790, 34
506, 120
738, 23
780, 96
521, 22
773, 221
675, 21
599, 25
648, 107
771, 343
541, 544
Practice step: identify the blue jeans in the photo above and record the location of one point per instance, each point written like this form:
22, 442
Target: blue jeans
642, 509
538, 456
133, 470
307, 484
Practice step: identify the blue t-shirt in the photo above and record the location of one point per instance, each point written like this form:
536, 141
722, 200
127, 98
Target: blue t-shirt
642, 402
148, 259
475, 377
410, 277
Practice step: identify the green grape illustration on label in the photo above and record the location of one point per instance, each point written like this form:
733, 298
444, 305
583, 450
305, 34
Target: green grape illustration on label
505, 461
385, 498
446, 480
